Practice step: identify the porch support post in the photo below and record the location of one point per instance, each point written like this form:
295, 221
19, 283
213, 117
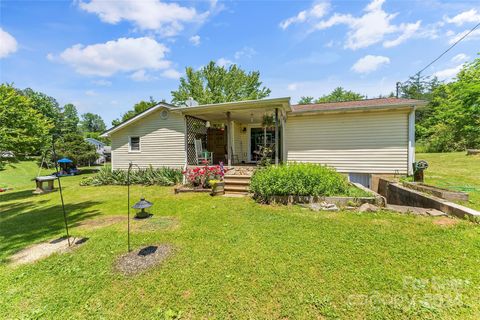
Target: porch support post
229, 139
276, 137
284, 137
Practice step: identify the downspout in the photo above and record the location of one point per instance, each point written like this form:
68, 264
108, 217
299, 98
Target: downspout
411, 141
185, 141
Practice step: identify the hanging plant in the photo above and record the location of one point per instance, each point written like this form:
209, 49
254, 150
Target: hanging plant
268, 121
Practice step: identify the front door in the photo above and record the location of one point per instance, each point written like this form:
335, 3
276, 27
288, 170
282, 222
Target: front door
217, 143
260, 138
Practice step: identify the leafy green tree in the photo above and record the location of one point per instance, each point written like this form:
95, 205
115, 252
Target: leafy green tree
47, 106
74, 147
338, 95
305, 100
69, 119
454, 119
24, 129
92, 123
137, 108
216, 84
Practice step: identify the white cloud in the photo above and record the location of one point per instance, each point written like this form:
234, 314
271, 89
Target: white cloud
195, 40
141, 75
223, 62
409, 31
8, 44
461, 57
171, 74
102, 82
318, 10
370, 63
246, 52
292, 86
371, 27
166, 18
474, 35
448, 73
471, 15
91, 93
122, 55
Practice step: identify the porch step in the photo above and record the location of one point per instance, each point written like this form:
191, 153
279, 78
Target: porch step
237, 184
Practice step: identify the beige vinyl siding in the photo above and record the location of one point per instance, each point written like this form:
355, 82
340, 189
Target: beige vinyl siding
240, 142
362, 142
162, 142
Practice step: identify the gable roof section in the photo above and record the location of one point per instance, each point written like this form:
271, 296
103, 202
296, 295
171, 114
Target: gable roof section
139, 116
379, 103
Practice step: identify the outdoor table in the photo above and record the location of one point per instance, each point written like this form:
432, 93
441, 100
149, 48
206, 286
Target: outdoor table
41, 187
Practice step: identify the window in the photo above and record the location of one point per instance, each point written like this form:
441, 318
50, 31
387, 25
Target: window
135, 144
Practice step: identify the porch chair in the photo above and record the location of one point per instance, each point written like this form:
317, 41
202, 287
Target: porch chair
202, 154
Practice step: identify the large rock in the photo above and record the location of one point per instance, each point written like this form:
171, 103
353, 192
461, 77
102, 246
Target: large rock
368, 207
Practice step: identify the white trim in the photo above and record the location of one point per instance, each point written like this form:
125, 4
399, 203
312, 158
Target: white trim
137, 117
411, 141
130, 144
283, 122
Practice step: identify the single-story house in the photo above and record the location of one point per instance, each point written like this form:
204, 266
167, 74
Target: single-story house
358, 138
103, 151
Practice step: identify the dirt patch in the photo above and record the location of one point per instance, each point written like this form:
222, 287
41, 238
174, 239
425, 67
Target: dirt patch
42, 250
143, 259
445, 221
155, 223
101, 222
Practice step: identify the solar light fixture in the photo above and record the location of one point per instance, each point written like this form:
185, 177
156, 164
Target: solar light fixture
140, 206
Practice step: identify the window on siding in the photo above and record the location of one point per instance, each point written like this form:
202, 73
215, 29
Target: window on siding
134, 143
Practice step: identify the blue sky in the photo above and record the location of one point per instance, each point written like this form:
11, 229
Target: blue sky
104, 56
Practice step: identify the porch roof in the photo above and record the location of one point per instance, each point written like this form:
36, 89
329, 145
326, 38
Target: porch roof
242, 111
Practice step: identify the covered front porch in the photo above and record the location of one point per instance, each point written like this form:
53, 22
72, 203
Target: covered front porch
237, 133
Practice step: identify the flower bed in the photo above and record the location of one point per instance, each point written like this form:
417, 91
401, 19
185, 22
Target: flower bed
203, 178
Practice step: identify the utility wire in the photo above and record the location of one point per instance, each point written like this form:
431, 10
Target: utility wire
442, 54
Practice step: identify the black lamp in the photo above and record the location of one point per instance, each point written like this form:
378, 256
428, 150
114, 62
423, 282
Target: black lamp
141, 206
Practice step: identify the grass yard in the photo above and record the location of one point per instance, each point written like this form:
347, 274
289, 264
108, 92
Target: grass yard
455, 171
233, 259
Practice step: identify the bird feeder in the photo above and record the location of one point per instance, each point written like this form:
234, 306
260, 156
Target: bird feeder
140, 207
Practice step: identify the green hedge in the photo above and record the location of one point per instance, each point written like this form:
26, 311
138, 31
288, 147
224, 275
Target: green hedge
149, 176
300, 179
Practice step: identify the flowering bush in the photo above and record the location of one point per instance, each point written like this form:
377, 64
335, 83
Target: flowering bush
200, 176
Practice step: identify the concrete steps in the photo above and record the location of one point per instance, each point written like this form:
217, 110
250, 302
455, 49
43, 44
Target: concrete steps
237, 184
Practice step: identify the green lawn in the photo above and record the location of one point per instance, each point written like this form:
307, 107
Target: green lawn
233, 259
455, 171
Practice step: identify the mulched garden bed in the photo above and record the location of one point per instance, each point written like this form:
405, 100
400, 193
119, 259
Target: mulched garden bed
143, 259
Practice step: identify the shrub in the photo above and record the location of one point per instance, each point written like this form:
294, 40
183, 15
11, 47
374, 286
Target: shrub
150, 176
298, 179
201, 176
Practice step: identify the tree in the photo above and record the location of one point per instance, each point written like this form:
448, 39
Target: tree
45, 105
338, 95
305, 100
24, 129
69, 119
216, 84
137, 108
92, 123
451, 121
74, 147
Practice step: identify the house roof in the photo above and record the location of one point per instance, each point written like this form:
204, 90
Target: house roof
378, 103
205, 108
95, 142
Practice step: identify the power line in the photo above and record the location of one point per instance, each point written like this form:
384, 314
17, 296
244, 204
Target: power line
442, 54
450, 48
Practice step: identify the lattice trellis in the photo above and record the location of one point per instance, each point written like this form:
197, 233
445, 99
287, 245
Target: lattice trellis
196, 129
